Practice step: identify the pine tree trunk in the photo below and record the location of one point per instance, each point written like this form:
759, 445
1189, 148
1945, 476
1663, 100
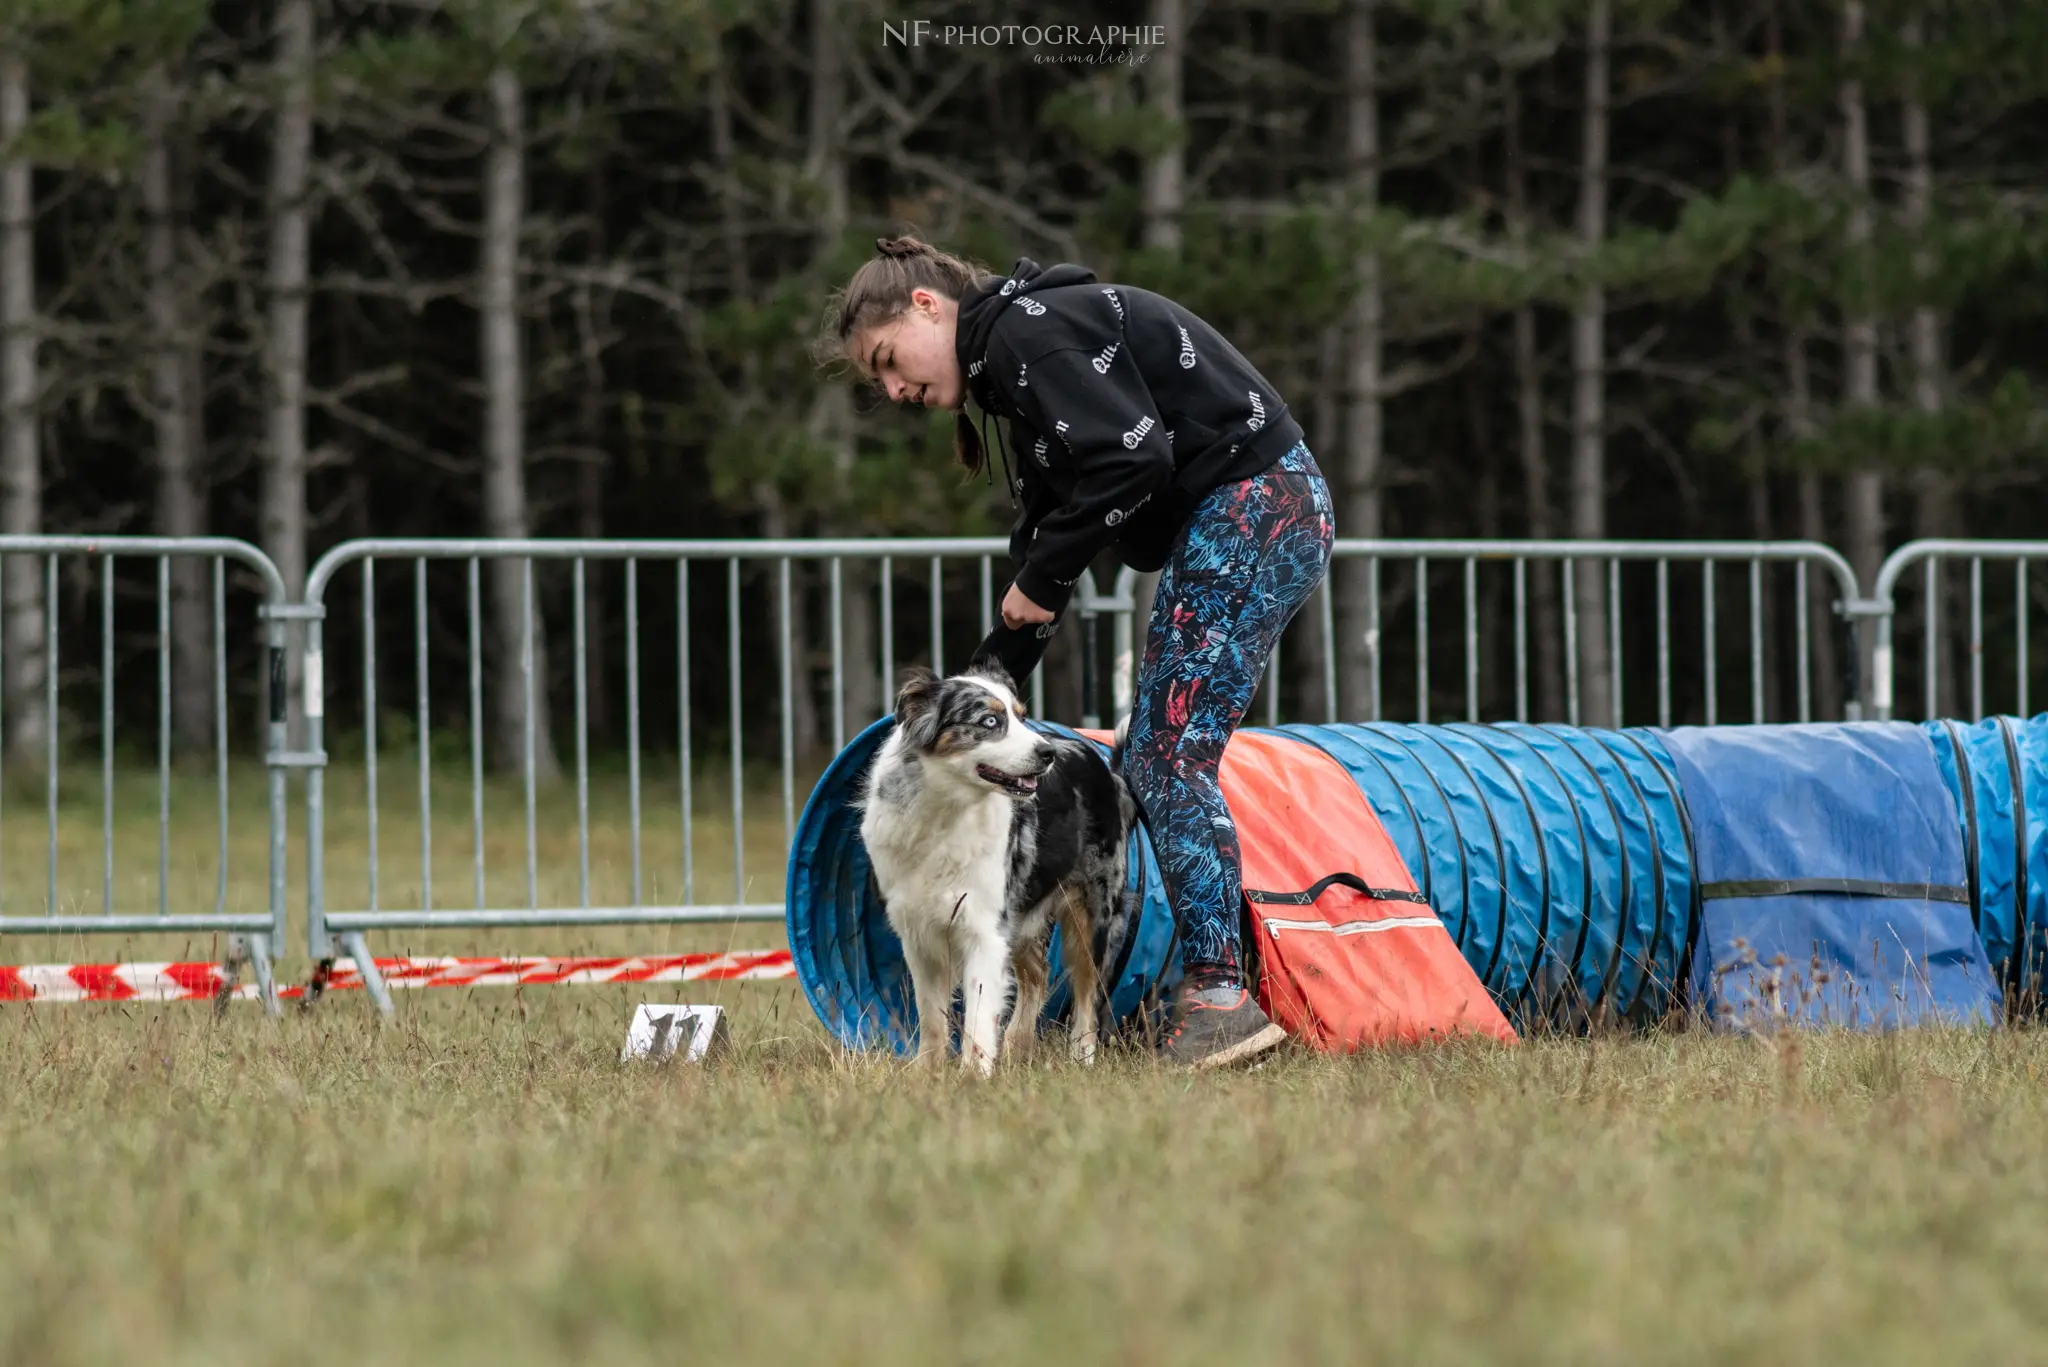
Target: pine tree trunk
505, 505
590, 478
1822, 623
1358, 486
21, 483
1545, 632
1864, 492
284, 350
832, 411
180, 425
1589, 379
1935, 513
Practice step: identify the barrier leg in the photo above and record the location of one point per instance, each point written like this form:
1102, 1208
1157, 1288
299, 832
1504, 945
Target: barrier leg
366, 965
266, 979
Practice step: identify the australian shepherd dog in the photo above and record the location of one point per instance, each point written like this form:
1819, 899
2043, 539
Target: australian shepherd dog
984, 834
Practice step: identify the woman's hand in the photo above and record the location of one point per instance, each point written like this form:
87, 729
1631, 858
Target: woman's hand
1020, 611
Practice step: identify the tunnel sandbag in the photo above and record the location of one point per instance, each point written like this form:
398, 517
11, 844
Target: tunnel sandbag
1832, 878
848, 958
1556, 856
1996, 771
1350, 954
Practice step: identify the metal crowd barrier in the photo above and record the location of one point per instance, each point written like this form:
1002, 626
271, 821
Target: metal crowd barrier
1932, 599
255, 935
1664, 632
1821, 587
730, 564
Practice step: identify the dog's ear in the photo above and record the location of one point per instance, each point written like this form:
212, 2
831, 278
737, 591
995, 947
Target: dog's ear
917, 708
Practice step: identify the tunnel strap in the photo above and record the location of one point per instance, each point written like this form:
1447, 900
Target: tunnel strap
1308, 896
1848, 887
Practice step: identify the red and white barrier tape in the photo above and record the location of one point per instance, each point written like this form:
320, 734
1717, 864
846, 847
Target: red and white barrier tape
202, 981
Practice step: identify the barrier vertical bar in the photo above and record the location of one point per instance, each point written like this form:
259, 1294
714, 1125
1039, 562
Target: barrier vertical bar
1326, 611
220, 733
1930, 653
370, 713
1422, 639
683, 725
938, 617
1471, 640
1272, 688
1976, 637
633, 715
526, 684
476, 725
885, 579
1709, 634
988, 592
320, 945
1373, 633
163, 735
106, 735
1521, 640
2019, 586
739, 825
1664, 643
1756, 639
1614, 642
50, 709
420, 685
788, 710
579, 627
837, 591
1804, 614
1568, 574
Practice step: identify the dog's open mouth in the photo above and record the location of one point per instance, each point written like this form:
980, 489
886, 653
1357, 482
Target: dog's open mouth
1022, 785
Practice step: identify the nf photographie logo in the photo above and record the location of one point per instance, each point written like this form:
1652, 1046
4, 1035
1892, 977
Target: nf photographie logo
1097, 44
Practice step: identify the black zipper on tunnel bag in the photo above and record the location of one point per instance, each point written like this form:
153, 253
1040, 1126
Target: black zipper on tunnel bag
1307, 896
1848, 887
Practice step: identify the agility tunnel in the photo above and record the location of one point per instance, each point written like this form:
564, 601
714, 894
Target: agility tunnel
1857, 874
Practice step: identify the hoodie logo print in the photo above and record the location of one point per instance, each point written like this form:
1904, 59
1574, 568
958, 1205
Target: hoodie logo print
1009, 287
1102, 360
1258, 419
1117, 515
1114, 302
975, 368
1039, 451
1187, 351
1030, 305
1137, 434
1059, 428
1022, 383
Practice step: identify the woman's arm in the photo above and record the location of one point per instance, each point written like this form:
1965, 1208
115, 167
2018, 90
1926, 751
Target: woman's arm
1097, 407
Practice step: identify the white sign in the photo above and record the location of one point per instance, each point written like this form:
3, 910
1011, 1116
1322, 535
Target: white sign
662, 1033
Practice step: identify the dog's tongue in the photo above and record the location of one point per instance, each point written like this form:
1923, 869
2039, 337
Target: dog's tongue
1015, 783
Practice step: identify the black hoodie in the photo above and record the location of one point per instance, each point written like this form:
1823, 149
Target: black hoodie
1125, 410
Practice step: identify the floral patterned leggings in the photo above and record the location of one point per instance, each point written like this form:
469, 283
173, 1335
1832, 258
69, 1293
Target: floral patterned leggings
1252, 554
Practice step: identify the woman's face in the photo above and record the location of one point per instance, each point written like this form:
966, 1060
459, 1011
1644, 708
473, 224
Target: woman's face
911, 356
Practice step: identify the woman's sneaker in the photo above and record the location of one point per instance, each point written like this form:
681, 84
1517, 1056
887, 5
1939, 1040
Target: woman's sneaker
1219, 1026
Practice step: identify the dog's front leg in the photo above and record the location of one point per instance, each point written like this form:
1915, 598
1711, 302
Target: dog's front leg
986, 988
932, 975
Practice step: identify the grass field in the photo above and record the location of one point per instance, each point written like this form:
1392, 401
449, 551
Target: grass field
481, 1181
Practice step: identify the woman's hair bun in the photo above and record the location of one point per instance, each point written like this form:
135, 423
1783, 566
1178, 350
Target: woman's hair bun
897, 248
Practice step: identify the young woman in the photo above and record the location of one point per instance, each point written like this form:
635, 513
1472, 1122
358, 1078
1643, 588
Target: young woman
1135, 425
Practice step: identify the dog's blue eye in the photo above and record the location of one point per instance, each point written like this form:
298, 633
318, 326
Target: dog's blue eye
989, 722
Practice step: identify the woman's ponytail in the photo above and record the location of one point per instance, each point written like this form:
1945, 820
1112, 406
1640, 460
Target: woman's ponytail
967, 447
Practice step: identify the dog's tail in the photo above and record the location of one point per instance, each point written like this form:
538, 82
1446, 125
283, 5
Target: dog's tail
1122, 738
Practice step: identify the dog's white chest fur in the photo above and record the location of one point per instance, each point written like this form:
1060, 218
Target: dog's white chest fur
945, 856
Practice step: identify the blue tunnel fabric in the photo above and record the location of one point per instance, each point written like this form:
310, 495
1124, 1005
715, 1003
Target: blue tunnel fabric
848, 959
1557, 857
1996, 771
1784, 816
